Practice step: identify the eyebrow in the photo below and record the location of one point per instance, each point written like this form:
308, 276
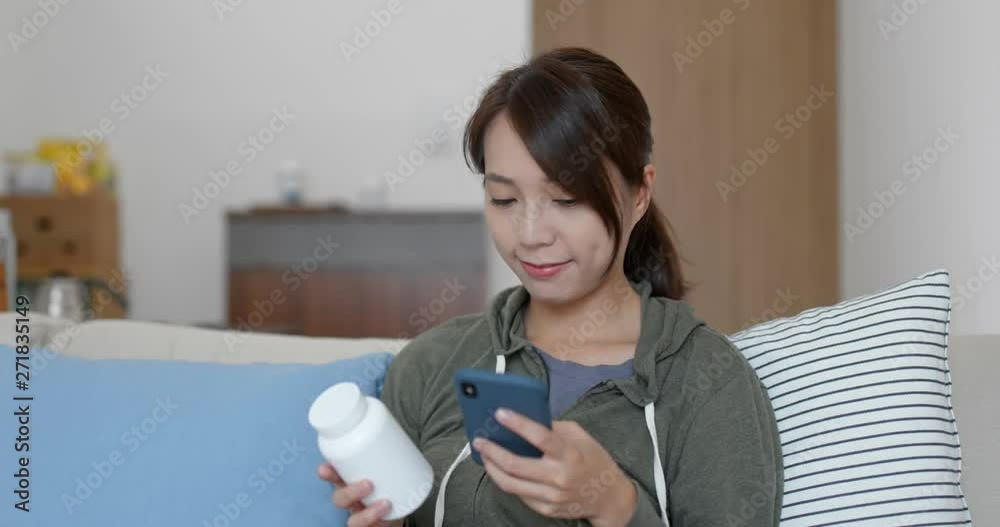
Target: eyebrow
499, 178
493, 176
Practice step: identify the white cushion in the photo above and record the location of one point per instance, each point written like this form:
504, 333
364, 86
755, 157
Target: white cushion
130, 339
862, 394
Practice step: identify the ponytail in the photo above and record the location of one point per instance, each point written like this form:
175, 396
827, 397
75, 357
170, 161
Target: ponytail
651, 255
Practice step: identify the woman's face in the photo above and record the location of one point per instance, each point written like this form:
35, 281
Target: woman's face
558, 248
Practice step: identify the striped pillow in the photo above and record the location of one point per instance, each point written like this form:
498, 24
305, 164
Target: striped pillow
862, 395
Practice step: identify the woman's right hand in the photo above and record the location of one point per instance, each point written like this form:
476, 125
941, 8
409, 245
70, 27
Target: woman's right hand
349, 496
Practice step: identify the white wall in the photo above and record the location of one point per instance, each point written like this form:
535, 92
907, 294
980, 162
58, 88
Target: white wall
907, 69
225, 76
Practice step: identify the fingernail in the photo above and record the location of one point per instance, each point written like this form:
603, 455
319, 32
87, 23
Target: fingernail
384, 505
503, 414
477, 443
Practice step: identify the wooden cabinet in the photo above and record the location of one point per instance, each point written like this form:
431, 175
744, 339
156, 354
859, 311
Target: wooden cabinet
362, 274
76, 236
73, 235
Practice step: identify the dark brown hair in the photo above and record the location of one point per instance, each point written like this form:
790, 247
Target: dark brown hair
575, 110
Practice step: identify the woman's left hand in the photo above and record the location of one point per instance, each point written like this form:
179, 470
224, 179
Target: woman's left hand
575, 477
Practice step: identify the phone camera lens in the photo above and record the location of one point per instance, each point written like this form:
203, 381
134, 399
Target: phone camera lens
469, 389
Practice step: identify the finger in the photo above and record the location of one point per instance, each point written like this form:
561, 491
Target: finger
552, 510
369, 517
326, 472
533, 469
521, 487
349, 495
532, 431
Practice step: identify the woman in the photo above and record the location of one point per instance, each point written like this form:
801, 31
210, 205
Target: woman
657, 416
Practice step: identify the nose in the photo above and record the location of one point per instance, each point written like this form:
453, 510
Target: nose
533, 224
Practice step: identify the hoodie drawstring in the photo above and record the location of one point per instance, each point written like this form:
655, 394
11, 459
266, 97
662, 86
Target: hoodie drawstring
466, 452
658, 477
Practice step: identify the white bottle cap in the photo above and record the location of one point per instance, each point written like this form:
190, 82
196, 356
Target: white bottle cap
338, 409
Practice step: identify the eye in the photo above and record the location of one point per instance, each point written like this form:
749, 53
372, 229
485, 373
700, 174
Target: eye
501, 202
566, 202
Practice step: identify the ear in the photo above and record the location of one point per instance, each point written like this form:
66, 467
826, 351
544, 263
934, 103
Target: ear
644, 194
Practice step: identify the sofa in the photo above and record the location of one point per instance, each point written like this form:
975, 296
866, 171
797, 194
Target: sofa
974, 362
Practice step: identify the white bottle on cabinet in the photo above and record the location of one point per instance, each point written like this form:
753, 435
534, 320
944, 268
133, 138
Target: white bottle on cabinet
374, 193
291, 181
361, 439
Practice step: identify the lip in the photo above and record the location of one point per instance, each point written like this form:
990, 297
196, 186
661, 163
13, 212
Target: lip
543, 271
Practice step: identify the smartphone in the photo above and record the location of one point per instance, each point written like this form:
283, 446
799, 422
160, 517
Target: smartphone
481, 392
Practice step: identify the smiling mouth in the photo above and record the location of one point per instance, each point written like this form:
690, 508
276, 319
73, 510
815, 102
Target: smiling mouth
543, 271
544, 265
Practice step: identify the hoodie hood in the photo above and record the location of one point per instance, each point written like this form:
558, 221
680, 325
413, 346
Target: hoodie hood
666, 325
684, 464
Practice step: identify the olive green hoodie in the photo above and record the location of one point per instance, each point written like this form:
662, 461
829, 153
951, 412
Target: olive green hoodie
716, 434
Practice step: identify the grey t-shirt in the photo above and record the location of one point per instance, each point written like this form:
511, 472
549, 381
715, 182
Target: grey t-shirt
569, 380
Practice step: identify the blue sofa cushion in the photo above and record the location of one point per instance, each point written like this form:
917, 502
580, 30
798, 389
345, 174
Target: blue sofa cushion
165, 443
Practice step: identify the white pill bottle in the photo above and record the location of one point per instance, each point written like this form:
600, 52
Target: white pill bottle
361, 439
